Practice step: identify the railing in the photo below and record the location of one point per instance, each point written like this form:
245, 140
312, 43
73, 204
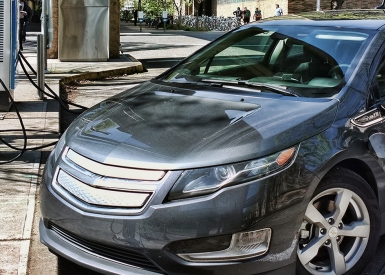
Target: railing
210, 23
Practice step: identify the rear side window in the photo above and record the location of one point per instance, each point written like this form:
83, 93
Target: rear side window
381, 81
378, 87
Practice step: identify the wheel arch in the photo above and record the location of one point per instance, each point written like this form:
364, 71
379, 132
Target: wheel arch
360, 168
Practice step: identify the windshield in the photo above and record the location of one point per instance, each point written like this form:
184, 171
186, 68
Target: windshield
310, 61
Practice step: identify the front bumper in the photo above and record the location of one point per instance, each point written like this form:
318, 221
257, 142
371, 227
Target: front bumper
62, 247
149, 235
139, 242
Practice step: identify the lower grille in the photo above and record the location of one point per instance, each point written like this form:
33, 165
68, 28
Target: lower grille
116, 254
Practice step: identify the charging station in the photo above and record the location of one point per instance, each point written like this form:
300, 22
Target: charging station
9, 14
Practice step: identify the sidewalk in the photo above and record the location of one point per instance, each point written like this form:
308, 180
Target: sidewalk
19, 179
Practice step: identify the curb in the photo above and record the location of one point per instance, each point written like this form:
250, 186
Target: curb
136, 67
103, 74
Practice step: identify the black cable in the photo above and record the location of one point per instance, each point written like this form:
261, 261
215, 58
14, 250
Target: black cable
22, 126
54, 96
24, 130
28, 130
46, 85
27, 148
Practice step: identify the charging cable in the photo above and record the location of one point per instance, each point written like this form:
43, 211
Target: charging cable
22, 150
53, 95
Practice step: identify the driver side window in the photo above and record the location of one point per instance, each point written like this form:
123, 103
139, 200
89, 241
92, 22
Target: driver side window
381, 81
377, 93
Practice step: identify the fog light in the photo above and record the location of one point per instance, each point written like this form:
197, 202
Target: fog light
244, 245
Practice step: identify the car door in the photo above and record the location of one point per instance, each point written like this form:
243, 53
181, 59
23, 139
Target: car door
371, 126
375, 117
372, 122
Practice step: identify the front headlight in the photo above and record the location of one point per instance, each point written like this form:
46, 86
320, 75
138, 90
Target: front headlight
207, 180
59, 146
49, 168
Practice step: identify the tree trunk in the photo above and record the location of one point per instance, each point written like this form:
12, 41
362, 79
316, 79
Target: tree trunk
197, 6
114, 43
53, 52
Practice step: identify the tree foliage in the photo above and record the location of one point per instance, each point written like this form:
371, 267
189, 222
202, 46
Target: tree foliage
155, 7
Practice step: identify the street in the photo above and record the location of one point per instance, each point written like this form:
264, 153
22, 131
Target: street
158, 51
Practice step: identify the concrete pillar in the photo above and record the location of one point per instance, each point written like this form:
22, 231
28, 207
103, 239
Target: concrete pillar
114, 43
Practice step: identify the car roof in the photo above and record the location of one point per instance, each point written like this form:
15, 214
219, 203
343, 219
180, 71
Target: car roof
357, 19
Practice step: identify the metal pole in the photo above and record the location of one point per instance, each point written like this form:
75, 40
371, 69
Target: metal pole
45, 34
40, 64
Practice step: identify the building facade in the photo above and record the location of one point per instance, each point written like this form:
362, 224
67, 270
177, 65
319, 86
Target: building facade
226, 7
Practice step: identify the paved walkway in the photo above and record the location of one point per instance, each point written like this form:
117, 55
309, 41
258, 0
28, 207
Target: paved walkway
19, 178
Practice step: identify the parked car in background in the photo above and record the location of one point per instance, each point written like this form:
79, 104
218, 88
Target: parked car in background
262, 153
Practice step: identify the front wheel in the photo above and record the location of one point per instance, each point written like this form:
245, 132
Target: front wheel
340, 230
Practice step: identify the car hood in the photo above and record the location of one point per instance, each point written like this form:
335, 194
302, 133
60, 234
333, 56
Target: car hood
156, 127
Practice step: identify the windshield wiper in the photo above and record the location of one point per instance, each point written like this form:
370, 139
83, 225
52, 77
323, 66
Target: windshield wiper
272, 88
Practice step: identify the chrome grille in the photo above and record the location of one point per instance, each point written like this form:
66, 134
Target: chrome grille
98, 187
98, 196
113, 171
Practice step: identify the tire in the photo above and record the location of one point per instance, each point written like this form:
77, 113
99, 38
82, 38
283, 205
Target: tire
340, 231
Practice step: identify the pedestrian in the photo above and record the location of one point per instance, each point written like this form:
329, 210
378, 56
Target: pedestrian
257, 14
125, 15
333, 5
278, 10
24, 18
135, 17
381, 7
238, 13
246, 16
